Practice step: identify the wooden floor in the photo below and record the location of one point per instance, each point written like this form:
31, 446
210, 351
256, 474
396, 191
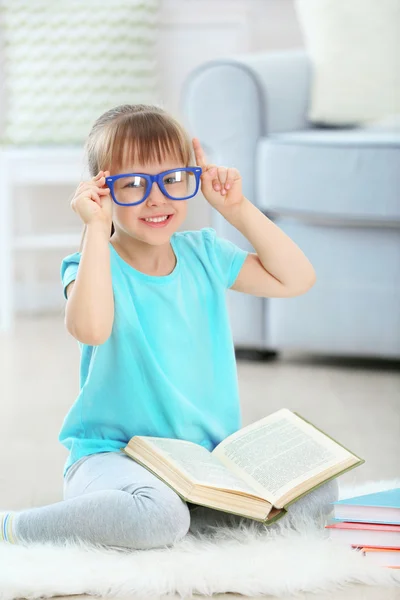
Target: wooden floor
357, 402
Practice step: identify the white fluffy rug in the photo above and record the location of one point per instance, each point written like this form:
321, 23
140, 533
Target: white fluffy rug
252, 561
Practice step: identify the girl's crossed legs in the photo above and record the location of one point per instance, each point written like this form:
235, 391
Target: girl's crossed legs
110, 500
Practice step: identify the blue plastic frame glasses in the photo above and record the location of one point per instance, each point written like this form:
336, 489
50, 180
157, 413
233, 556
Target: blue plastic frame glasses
154, 179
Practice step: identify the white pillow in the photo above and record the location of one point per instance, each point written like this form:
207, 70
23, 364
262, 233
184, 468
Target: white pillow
68, 61
354, 46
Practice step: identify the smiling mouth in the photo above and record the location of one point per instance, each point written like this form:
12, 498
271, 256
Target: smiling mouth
159, 221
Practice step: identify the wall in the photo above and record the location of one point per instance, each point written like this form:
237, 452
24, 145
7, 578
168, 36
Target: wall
192, 31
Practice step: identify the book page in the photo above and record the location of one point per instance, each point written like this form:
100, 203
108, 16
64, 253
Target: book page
279, 452
199, 464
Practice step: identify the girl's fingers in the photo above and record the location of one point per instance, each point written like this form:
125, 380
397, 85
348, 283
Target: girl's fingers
199, 153
95, 197
230, 178
209, 172
92, 193
89, 185
100, 178
222, 175
212, 174
221, 178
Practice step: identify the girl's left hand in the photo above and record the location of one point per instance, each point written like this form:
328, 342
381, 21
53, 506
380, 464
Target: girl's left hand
220, 186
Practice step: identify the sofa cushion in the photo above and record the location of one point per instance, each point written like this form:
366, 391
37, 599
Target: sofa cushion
336, 173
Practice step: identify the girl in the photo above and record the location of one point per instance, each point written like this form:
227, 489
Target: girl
148, 308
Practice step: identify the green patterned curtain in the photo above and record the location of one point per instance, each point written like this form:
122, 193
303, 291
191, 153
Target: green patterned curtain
67, 61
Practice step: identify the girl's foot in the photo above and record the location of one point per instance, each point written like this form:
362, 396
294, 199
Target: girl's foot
6, 527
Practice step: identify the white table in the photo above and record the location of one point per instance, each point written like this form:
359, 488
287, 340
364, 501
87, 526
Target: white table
31, 166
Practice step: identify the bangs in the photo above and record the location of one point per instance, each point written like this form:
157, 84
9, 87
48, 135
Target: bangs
143, 138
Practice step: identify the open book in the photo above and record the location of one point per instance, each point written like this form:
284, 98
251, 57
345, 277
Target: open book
256, 472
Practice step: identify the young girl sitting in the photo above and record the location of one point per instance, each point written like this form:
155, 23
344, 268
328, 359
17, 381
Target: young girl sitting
147, 305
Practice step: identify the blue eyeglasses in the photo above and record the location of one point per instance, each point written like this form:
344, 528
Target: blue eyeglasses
129, 189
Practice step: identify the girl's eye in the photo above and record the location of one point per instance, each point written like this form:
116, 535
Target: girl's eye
135, 183
169, 180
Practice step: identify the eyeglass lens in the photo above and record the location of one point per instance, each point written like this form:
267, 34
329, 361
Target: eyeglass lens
133, 188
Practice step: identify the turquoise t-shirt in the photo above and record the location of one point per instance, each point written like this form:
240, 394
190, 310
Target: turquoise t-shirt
168, 369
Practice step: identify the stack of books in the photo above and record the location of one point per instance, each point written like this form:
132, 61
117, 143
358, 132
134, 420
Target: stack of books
370, 523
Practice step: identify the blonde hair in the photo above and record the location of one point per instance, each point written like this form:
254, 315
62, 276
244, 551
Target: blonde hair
135, 133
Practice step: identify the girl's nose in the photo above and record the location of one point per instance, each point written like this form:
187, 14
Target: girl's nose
156, 196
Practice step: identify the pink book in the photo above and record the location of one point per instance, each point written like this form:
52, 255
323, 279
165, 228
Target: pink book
365, 534
385, 557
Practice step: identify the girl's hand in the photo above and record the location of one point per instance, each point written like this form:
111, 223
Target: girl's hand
92, 201
220, 186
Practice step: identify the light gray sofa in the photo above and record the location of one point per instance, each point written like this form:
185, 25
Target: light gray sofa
336, 192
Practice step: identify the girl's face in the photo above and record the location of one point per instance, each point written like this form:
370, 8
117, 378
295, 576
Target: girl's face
136, 221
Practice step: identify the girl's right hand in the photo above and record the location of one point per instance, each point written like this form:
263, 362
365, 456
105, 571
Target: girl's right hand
92, 201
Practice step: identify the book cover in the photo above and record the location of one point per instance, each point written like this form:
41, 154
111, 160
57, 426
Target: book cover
385, 557
365, 534
364, 526
385, 499
379, 507
373, 549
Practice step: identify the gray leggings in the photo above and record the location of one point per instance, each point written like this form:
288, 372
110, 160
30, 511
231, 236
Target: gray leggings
110, 500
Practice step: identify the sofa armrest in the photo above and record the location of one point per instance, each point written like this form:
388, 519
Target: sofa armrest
285, 79
229, 104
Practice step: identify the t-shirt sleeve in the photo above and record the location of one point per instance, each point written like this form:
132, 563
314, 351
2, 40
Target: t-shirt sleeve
227, 258
69, 269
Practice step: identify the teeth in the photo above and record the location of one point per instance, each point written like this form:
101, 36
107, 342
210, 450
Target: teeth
157, 219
